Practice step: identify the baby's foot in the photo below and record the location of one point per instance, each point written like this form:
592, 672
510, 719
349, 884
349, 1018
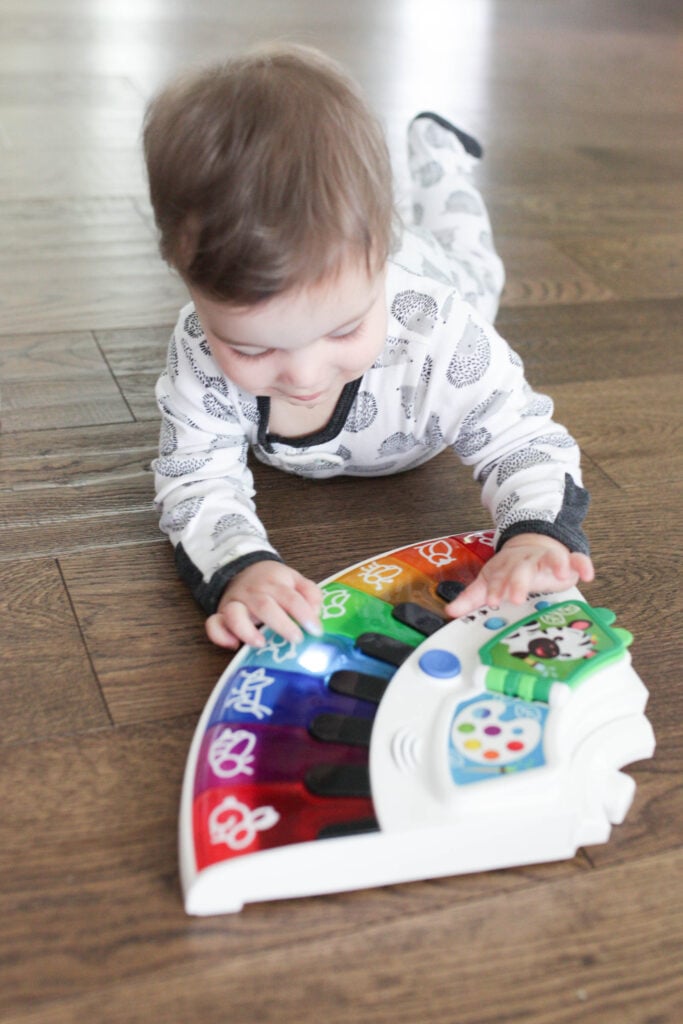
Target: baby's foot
440, 138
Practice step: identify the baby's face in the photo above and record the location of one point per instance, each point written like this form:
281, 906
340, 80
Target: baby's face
303, 346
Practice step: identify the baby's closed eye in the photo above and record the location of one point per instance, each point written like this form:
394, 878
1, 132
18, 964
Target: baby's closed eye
250, 353
345, 333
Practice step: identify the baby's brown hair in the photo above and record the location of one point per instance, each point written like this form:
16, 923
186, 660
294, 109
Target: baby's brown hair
266, 173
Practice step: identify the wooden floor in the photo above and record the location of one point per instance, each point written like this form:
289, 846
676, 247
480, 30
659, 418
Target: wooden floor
105, 669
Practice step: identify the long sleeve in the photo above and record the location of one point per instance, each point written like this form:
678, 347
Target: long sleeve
527, 464
204, 487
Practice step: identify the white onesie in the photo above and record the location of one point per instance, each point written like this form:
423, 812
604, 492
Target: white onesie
444, 378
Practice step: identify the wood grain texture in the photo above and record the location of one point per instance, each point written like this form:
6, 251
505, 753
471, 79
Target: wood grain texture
105, 666
596, 342
107, 871
48, 684
632, 429
152, 664
646, 266
543, 275
82, 264
585, 942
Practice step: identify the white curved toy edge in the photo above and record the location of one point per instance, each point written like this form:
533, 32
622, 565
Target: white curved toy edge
186, 850
395, 856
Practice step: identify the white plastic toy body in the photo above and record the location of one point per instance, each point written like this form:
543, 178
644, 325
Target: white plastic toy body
399, 746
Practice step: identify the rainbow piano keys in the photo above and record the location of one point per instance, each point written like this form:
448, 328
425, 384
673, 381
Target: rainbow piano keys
400, 745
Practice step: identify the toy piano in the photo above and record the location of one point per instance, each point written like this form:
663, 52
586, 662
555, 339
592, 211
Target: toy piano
400, 745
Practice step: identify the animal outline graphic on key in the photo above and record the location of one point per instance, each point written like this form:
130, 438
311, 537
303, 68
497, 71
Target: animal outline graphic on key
401, 745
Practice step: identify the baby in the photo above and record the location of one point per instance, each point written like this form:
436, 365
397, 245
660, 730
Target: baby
329, 337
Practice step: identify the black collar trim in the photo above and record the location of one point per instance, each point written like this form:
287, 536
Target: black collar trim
328, 432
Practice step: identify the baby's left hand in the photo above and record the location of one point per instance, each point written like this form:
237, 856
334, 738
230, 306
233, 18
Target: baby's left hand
528, 563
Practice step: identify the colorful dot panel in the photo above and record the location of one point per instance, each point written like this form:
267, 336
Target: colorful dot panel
492, 735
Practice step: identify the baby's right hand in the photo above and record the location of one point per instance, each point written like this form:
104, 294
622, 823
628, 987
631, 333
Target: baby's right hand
270, 593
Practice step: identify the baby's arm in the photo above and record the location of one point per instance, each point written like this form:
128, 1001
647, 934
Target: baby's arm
527, 464
529, 562
205, 492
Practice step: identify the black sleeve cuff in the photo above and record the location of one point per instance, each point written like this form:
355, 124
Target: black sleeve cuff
209, 594
566, 528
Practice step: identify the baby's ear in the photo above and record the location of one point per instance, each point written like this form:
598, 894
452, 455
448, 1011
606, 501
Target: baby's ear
187, 242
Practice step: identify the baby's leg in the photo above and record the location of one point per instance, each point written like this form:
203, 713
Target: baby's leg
446, 203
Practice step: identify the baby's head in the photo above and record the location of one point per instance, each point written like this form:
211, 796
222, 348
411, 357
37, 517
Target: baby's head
267, 175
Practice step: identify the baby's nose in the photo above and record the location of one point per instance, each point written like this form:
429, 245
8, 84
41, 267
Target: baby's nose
303, 368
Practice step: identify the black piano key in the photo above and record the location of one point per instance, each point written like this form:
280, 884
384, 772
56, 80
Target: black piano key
359, 685
448, 590
331, 728
348, 828
421, 619
384, 648
352, 780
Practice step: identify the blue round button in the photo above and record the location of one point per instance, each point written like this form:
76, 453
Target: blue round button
495, 622
540, 605
440, 664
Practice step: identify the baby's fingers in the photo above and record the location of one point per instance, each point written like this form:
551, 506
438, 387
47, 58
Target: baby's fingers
219, 634
236, 619
582, 566
306, 608
556, 562
563, 568
278, 613
519, 582
303, 606
472, 597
